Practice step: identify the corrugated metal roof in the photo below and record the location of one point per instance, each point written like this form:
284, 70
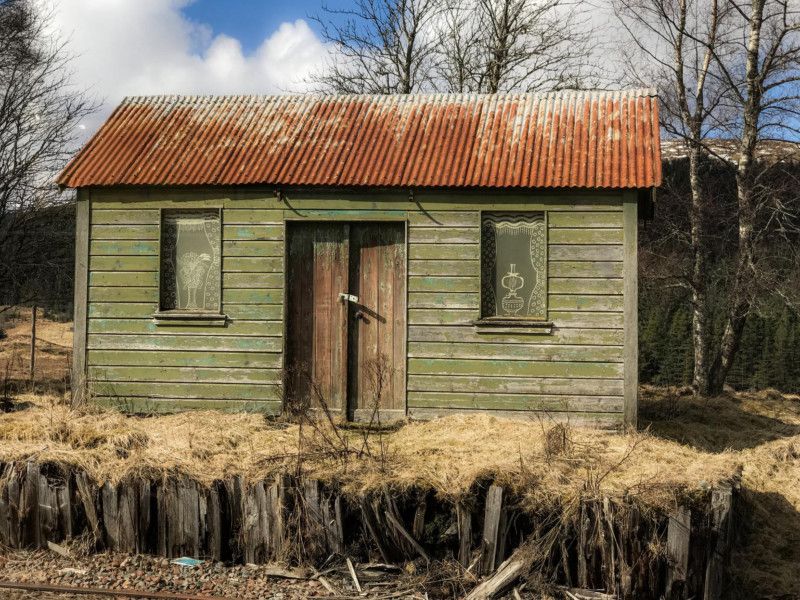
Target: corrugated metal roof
558, 140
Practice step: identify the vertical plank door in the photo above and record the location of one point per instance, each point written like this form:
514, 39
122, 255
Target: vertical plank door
377, 358
316, 330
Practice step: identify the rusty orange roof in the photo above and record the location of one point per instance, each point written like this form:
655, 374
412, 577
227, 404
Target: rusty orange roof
586, 139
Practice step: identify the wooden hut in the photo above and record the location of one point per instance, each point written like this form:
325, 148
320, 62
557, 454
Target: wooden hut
419, 254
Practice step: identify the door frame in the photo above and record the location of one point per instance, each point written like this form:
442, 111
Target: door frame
295, 216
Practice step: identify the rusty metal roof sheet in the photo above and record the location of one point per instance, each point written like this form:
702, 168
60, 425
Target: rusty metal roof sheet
586, 139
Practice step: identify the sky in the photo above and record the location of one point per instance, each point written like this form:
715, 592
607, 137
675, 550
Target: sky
144, 47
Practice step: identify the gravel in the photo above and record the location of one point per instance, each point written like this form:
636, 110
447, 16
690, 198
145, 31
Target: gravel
141, 572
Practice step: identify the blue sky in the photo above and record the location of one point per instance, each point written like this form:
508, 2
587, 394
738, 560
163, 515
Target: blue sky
250, 21
148, 47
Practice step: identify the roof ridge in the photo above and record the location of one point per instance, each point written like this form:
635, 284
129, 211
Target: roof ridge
649, 92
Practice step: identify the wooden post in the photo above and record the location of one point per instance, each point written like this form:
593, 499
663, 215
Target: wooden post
719, 550
464, 520
33, 346
491, 528
678, 538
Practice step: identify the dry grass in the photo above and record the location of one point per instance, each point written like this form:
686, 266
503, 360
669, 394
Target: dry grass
684, 445
53, 350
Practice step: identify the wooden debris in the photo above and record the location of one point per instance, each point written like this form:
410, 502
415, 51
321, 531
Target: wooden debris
404, 532
58, 549
353, 575
507, 573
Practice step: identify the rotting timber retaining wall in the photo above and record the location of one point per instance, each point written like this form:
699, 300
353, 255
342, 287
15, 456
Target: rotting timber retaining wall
613, 544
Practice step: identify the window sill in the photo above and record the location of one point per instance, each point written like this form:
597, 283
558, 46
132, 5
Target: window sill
177, 317
519, 326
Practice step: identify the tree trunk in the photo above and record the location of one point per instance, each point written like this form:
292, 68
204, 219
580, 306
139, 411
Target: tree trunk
701, 312
744, 278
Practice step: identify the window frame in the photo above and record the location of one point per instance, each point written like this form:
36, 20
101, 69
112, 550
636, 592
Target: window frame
543, 324
176, 316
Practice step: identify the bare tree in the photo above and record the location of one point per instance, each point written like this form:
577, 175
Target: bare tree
380, 47
706, 54
674, 43
514, 45
39, 113
763, 79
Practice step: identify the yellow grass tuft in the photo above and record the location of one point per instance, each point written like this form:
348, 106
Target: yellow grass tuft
684, 445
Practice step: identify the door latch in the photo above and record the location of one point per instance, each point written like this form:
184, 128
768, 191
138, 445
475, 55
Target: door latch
348, 297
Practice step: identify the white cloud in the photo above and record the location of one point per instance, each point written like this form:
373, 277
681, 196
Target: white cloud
143, 47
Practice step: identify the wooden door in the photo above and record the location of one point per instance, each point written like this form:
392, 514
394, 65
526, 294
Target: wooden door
377, 357
349, 352
316, 334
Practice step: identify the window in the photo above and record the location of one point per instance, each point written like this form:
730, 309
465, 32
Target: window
513, 266
190, 261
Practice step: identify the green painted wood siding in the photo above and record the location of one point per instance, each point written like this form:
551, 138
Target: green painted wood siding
138, 364
578, 368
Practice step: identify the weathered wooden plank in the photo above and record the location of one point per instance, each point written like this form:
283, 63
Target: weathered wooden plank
517, 368
255, 248
247, 264
432, 202
491, 528
331, 211
631, 307
185, 374
473, 335
443, 284
123, 278
443, 235
587, 219
79, 313
518, 385
679, 533
251, 232
717, 585
556, 403
462, 268
599, 320
121, 310
577, 419
123, 248
253, 312
252, 296
160, 389
135, 200
171, 405
220, 359
562, 285
443, 300
586, 268
585, 236
99, 341
123, 263
516, 351
123, 294
125, 232
563, 302
145, 310
252, 280
255, 216
443, 252
239, 327
102, 216
444, 218
591, 252
438, 316
464, 527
